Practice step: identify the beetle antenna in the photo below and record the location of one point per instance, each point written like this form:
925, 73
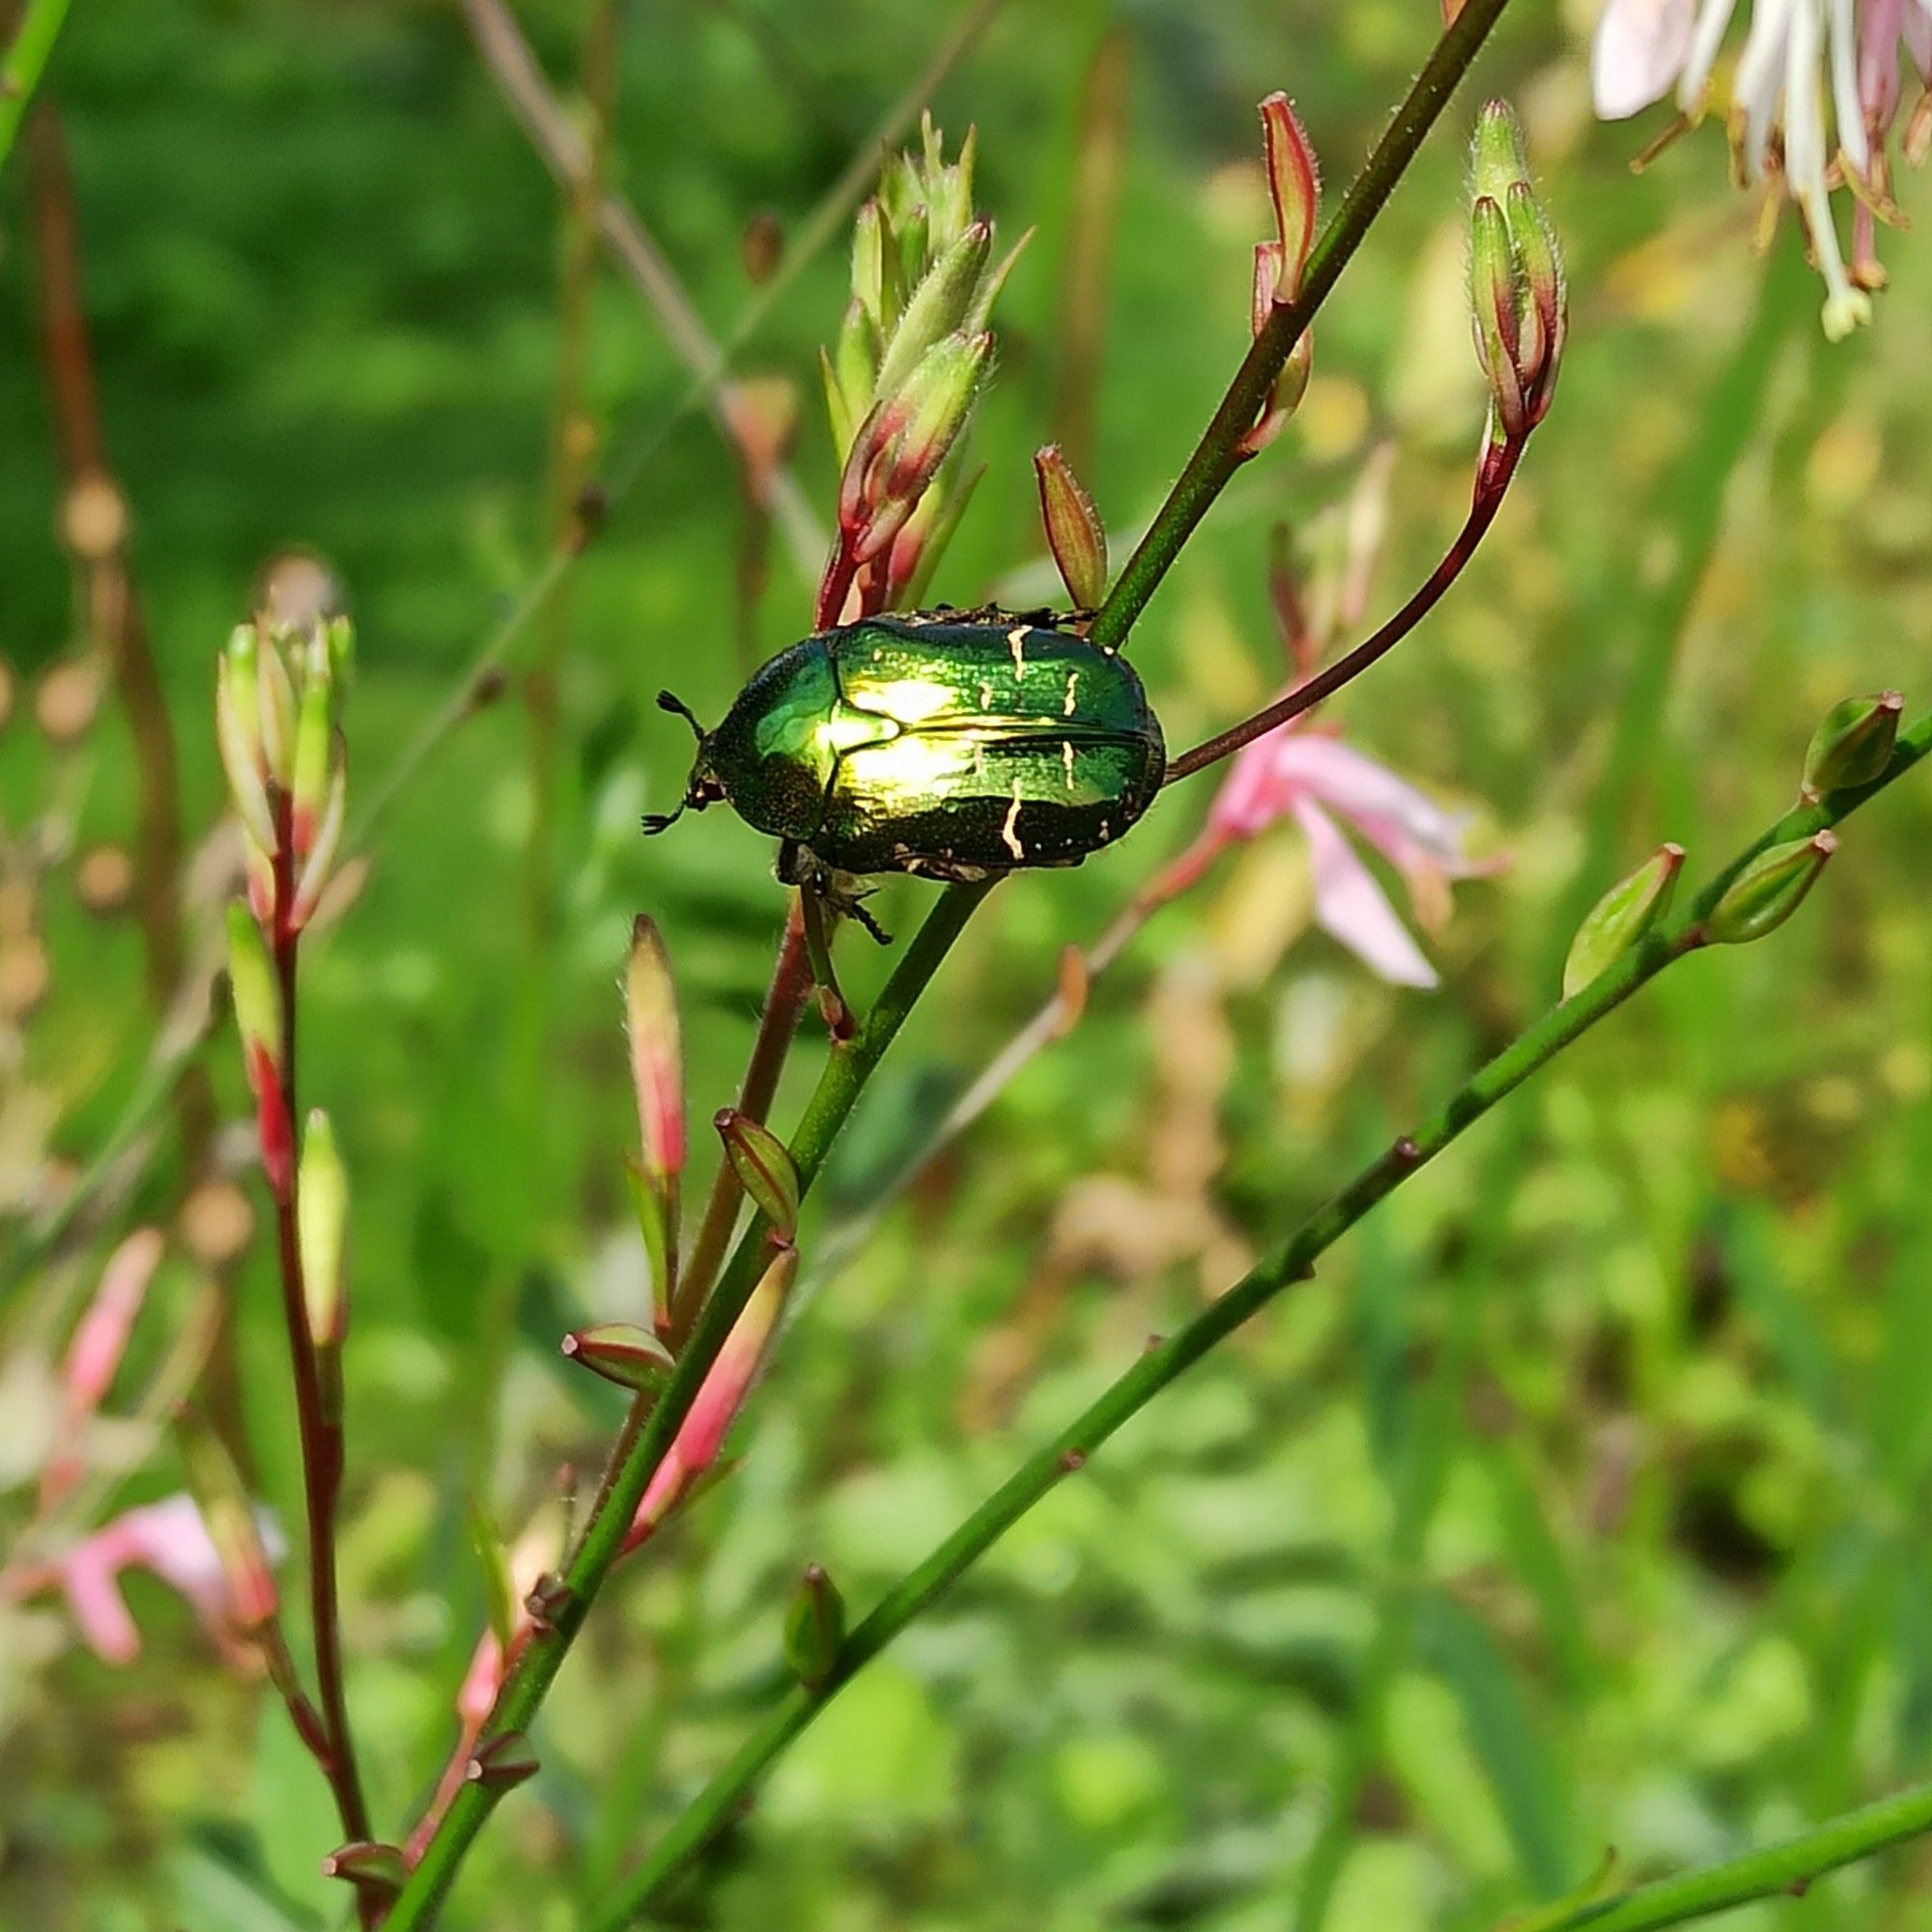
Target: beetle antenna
669, 700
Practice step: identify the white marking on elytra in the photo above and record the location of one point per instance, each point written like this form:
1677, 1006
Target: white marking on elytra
1016, 641
1073, 685
1067, 760
1007, 830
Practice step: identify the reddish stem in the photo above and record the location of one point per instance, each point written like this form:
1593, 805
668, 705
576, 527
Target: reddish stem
1492, 484
791, 982
321, 1434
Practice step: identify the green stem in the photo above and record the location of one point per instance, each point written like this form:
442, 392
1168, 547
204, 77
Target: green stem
723, 1799
1217, 455
1784, 1868
649, 1431
25, 61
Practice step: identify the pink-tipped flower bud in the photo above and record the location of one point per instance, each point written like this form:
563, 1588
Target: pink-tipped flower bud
1852, 744
937, 399
1075, 531
258, 1015
634, 1358
763, 1167
322, 1228
233, 1529
1769, 889
702, 1435
657, 1055
1295, 183
814, 1627
1621, 917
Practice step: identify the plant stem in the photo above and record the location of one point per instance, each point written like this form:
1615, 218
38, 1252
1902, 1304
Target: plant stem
1352, 664
649, 1430
24, 63
320, 1431
1217, 455
1788, 1867
778, 1026
723, 1799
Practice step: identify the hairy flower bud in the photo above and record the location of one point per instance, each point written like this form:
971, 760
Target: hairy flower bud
1852, 744
938, 307
1495, 301
1075, 531
1295, 183
1769, 889
314, 748
763, 1167
1621, 917
814, 1627
634, 1358
1497, 159
936, 401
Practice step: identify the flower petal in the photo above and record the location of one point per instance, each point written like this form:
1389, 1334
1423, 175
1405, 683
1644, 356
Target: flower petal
1402, 821
1351, 907
1641, 47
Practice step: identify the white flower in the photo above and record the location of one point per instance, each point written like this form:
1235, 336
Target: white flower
1797, 55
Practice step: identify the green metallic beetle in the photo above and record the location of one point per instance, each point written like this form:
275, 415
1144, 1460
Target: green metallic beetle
949, 744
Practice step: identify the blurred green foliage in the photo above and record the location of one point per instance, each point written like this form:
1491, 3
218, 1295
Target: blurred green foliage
1581, 1502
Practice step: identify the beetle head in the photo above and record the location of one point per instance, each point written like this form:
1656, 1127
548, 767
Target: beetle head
704, 788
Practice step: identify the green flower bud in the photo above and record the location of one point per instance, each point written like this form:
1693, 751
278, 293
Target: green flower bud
1495, 300
938, 307
763, 1167
814, 1627
1621, 917
1769, 889
321, 1227
1497, 156
237, 731
1852, 744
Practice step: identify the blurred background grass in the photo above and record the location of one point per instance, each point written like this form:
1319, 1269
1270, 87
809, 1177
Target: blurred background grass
1580, 1503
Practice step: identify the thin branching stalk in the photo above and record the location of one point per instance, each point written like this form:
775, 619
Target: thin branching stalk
723, 1799
573, 163
1352, 664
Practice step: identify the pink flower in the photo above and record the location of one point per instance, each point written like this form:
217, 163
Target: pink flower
1310, 775
169, 1538
94, 1354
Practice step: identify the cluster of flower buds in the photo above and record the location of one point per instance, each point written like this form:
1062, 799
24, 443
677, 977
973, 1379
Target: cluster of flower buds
278, 694
1294, 185
912, 357
1517, 290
